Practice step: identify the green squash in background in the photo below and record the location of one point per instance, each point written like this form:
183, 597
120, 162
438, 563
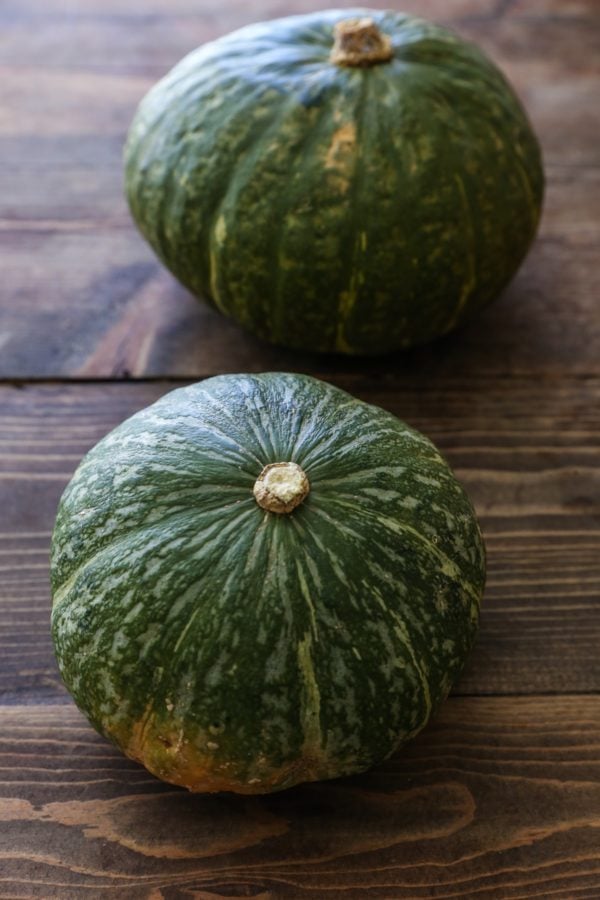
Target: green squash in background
260, 580
350, 180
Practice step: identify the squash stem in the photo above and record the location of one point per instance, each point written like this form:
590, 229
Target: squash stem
359, 42
281, 487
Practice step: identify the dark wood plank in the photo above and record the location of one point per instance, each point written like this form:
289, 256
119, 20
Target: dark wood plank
233, 14
557, 9
527, 454
498, 798
83, 295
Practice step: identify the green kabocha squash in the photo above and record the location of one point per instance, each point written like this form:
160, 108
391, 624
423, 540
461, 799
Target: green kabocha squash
351, 180
259, 581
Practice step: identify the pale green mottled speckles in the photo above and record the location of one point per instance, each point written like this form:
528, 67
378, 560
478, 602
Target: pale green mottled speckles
432, 482
410, 502
176, 596
220, 230
470, 255
311, 698
305, 592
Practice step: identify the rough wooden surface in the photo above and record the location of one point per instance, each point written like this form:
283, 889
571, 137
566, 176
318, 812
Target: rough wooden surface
499, 797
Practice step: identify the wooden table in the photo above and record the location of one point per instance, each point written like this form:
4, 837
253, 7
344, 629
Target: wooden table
500, 796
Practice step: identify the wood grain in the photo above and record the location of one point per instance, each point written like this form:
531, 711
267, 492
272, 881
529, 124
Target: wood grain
83, 294
499, 797
527, 454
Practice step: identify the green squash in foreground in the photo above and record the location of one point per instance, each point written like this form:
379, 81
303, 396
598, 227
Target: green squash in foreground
351, 180
260, 580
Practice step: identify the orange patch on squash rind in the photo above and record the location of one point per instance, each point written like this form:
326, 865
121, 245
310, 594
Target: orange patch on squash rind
194, 761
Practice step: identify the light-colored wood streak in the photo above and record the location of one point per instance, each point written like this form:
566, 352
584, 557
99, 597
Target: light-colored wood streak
495, 788
499, 797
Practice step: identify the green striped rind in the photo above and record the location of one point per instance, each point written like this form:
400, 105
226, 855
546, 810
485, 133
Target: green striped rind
227, 647
335, 208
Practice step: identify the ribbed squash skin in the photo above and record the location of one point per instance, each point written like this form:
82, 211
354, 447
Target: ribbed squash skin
333, 208
230, 648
